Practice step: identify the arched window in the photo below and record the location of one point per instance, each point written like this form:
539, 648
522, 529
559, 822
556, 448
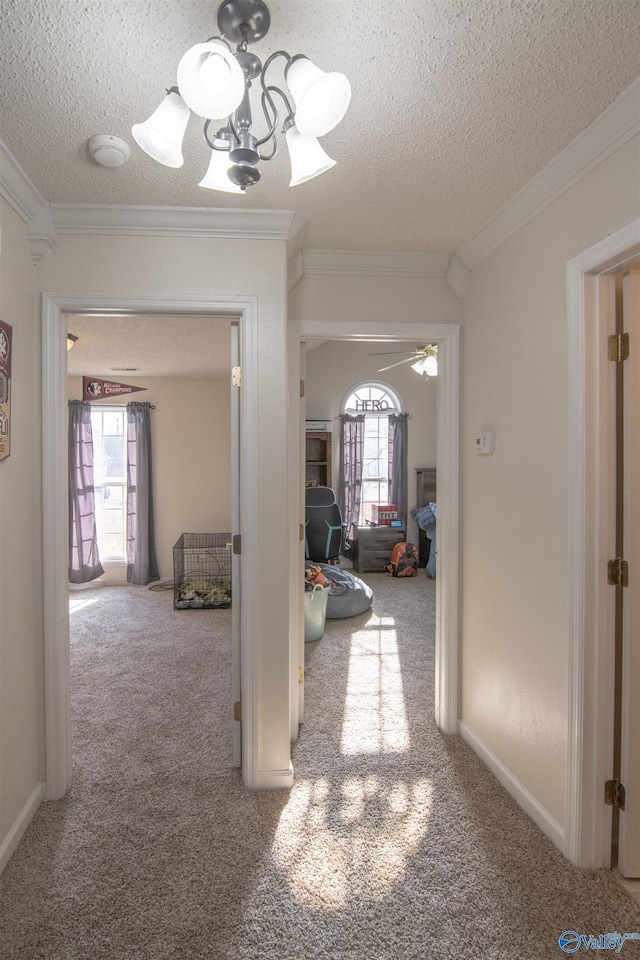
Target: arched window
370, 404
373, 398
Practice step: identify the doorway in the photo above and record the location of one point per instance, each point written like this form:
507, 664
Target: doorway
56, 639
447, 337
181, 365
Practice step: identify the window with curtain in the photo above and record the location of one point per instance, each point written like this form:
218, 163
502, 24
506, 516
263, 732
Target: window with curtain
110, 491
370, 452
109, 425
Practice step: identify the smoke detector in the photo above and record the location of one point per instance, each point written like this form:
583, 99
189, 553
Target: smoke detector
109, 151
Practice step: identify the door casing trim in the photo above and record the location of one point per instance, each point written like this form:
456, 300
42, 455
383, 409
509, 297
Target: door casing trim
447, 336
55, 307
590, 498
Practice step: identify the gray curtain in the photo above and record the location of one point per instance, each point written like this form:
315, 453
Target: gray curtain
142, 566
84, 561
398, 432
350, 468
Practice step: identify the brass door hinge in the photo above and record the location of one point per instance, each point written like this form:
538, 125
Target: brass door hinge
302, 388
236, 376
618, 347
618, 572
614, 794
237, 710
301, 533
237, 544
300, 674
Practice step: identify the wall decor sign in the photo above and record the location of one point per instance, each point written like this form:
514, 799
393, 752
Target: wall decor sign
94, 388
5, 389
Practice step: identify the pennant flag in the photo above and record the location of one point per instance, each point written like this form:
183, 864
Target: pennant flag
93, 388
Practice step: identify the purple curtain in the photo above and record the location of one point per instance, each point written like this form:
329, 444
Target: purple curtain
142, 566
350, 471
398, 434
84, 561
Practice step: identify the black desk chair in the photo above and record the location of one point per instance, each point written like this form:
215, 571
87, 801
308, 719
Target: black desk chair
323, 525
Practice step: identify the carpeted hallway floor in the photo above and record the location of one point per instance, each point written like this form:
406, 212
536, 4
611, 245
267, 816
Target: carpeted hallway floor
394, 843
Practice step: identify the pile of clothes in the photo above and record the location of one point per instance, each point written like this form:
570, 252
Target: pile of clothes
426, 517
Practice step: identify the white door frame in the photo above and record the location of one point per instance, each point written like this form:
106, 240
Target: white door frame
447, 336
591, 517
55, 306
235, 446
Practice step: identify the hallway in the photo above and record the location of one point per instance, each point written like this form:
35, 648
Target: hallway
394, 843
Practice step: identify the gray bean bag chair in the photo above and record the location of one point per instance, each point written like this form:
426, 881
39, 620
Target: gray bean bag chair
348, 595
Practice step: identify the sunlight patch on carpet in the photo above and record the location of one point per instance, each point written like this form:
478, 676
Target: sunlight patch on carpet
338, 842
375, 717
77, 603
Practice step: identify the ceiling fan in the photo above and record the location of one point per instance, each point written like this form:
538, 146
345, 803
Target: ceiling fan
424, 359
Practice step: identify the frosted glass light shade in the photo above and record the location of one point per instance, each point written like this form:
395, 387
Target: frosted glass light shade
321, 98
431, 366
211, 80
216, 176
162, 134
308, 159
427, 366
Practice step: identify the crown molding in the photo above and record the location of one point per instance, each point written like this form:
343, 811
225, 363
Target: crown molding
457, 277
199, 222
372, 262
614, 127
41, 234
294, 270
16, 187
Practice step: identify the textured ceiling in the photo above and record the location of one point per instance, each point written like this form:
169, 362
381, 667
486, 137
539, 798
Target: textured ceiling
165, 346
129, 348
456, 104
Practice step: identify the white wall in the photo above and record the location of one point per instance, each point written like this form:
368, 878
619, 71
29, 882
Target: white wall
514, 503
145, 266
21, 631
373, 299
335, 367
190, 431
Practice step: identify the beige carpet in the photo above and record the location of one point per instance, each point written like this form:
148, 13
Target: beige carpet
394, 843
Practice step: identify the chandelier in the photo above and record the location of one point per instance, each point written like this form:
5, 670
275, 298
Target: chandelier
215, 83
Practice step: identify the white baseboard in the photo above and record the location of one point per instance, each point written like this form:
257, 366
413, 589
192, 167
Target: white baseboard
512, 785
17, 830
274, 779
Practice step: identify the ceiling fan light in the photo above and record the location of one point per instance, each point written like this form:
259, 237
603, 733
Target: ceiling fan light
216, 177
211, 80
431, 366
426, 366
321, 98
161, 135
308, 159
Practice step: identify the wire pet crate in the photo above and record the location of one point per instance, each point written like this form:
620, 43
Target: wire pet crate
202, 571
